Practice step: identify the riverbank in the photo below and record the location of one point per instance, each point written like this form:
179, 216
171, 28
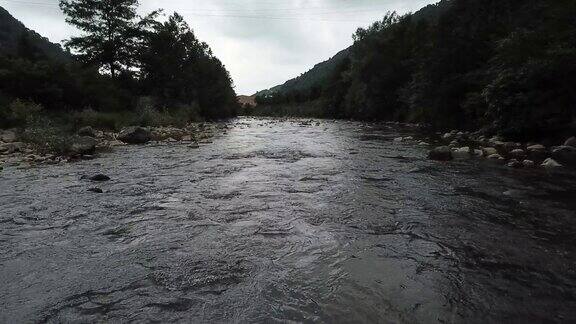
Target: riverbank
458, 145
18, 149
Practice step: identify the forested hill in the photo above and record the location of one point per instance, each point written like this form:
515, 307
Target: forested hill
17, 40
505, 66
319, 74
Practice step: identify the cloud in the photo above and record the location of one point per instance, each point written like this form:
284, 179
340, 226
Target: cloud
262, 42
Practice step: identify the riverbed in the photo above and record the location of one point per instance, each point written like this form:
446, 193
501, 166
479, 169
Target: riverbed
287, 220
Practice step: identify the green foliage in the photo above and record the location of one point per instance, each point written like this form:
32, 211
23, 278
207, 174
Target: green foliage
142, 57
112, 32
178, 69
507, 65
24, 113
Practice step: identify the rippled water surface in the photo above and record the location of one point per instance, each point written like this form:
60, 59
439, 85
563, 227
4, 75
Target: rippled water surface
281, 221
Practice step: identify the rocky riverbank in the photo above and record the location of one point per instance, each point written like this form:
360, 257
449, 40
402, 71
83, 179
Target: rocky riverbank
459, 145
88, 143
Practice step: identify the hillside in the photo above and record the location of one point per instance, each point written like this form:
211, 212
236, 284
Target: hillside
500, 66
321, 72
313, 77
17, 40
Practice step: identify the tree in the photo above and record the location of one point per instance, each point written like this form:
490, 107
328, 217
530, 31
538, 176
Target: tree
112, 32
177, 68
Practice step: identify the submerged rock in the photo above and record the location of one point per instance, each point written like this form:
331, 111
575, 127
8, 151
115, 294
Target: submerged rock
135, 135
99, 177
570, 142
441, 153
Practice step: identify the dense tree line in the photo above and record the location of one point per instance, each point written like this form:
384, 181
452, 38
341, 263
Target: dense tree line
120, 61
502, 65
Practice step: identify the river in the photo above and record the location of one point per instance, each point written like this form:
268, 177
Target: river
285, 220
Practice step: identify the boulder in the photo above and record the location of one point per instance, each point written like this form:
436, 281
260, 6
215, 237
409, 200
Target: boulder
82, 145
441, 153
87, 131
134, 135
462, 153
551, 164
398, 139
565, 155
488, 151
571, 142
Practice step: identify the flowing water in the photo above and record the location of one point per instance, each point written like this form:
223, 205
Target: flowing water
279, 221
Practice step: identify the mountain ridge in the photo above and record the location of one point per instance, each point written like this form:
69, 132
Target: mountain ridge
17, 40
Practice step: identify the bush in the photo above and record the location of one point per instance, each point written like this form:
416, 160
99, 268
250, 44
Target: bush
101, 120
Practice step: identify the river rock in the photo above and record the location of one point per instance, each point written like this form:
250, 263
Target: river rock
537, 152
565, 155
441, 153
8, 136
462, 153
488, 151
134, 135
528, 163
514, 164
87, 131
99, 177
496, 158
551, 164
447, 136
571, 142
10, 148
82, 145
518, 154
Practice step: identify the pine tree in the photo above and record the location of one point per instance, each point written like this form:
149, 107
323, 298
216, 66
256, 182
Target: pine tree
112, 32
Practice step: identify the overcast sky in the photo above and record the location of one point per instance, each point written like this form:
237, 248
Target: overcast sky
262, 42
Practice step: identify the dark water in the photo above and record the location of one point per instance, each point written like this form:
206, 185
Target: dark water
279, 221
